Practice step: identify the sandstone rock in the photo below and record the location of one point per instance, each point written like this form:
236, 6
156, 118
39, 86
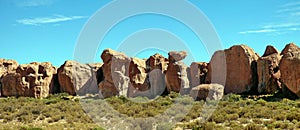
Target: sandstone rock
157, 83
268, 71
113, 61
291, 47
207, 92
7, 66
290, 72
270, 50
10, 84
198, 72
240, 64
176, 56
176, 74
156, 61
30, 80
77, 79
97, 68
137, 74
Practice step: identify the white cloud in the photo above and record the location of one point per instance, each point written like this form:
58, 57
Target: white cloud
291, 4
288, 21
33, 3
258, 31
46, 20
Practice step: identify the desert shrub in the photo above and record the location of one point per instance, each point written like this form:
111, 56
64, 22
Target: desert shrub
253, 126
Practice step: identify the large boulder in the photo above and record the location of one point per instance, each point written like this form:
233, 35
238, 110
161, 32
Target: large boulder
30, 80
97, 68
268, 71
289, 68
156, 61
291, 47
238, 66
139, 81
176, 74
7, 66
115, 70
77, 79
207, 92
198, 72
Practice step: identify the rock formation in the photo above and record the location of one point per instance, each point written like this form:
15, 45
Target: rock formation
176, 74
268, 71
240, 64
207, 92
30, 80
7, 66
77, 79
289, 68
156, 61
113, 61
198, 72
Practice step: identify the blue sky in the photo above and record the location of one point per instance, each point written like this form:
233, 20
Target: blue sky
48, 30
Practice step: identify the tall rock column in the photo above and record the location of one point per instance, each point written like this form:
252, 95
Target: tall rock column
268, 71
176, 74
289, 68
240, 62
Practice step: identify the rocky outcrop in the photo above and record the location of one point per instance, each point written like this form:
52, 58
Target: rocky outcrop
289, 68
268, 71
115, 70
156, 61
240, 73
207, 92
97, 68
30, 80
7, 66
77, 79
291, 47
176, 74
198, 72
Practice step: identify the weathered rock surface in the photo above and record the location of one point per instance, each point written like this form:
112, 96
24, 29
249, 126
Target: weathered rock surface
268, 71
30, 80
176, 74
7, 66
137, 74
114, 62
289, 68
198, 72
240, 64
156, 61
207, 92
97, 68
291, 47
77, 79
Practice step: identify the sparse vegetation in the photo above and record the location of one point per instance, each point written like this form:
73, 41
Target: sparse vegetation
234, 111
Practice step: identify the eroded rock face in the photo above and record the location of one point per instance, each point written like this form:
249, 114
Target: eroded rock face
7, 66
207, 92
97, 68
137, 74
30, 80
240, 64
289, 68
198, 72
156, 61
268, 71
176, 74
77, 79
114, 62
291, 47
